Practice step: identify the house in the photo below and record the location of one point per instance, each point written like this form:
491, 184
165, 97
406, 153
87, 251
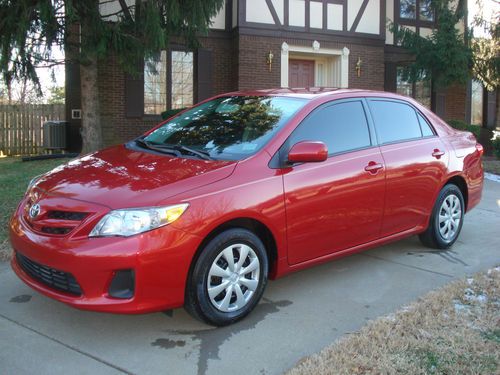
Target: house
268, 44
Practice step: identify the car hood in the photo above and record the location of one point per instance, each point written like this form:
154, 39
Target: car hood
119, 177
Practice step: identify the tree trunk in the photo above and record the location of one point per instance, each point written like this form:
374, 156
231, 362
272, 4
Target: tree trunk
91, 124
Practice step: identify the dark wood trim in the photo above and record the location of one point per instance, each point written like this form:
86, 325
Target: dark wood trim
286, 13
276, 19
242, 12
229, 15
307, 15
298, 33
383, 10
344, 16
325, 15
359, 15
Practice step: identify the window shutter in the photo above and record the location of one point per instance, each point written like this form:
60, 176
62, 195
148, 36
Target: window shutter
390, 83
204, 74
490, 109
134, 93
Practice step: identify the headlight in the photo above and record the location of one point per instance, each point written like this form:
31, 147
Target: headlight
33, 181
128, 222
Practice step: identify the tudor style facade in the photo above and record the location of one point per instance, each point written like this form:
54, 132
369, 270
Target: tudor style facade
266, 44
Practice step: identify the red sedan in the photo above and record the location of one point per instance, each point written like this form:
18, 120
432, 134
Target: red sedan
201, 210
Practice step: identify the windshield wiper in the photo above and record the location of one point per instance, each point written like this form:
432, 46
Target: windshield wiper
174, 149
158, 148
201, 154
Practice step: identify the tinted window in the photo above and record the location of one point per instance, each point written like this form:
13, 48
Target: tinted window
424, 125
394, 121
342, 127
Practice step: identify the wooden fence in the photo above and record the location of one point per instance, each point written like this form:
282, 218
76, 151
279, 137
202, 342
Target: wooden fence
21, 126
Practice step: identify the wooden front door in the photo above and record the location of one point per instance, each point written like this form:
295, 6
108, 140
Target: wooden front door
300, 73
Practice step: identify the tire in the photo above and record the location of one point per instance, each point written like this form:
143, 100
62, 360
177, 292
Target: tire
446, 220
214, 285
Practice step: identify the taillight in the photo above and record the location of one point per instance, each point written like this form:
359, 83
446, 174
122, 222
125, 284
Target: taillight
480, 149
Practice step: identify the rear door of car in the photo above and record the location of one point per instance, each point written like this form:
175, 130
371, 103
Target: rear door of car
416, 161
335, 204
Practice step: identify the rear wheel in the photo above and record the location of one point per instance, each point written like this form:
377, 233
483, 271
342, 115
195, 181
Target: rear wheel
446, 220
228, 278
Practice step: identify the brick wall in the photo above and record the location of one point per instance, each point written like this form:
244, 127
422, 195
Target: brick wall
239, 62
117, 128
455, 103
253, 72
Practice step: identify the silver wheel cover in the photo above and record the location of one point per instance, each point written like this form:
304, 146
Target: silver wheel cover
233, 278
450, 216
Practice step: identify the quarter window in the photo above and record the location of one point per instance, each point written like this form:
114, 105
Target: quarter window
394, 121
424, 125
342, 127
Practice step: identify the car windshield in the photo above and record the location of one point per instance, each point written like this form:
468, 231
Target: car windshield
228, 128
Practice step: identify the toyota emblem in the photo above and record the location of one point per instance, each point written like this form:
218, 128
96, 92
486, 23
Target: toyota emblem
34, 210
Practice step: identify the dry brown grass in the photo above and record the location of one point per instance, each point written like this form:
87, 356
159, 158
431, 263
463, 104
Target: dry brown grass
5, 250
454, 330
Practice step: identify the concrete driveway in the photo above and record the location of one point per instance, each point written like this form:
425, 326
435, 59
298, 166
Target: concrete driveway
299, 315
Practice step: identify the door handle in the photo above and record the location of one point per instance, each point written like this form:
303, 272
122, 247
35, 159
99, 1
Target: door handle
437, 153
373, 167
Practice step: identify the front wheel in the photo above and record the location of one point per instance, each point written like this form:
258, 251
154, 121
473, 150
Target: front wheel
446, 220
228, 278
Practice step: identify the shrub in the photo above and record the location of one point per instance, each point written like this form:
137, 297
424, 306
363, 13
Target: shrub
171, 112
462, 125
495, 142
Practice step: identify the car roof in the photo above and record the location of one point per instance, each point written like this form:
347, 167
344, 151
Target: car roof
312, 92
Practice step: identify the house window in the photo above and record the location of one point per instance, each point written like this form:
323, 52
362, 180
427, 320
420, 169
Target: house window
155, 84
426, 10
408, 9
413, 9
476, 103
419, 90
168, 82
182, 79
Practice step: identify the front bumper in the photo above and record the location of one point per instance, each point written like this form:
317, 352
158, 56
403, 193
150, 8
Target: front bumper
160, 260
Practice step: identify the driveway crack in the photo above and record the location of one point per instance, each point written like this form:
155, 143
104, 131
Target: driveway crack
408, 265
70, 347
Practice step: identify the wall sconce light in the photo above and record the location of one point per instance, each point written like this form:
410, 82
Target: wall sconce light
358, 67
269, 59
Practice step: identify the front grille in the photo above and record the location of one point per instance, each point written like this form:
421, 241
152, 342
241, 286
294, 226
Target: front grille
67, 215
51, 277
55, 222
56, 230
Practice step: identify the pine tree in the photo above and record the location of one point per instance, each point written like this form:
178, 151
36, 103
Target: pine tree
30, 31
445, 56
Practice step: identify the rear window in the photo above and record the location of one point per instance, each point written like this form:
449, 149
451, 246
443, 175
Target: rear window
394, 121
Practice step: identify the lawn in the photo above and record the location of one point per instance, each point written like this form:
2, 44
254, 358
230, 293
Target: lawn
453, 330
14, 178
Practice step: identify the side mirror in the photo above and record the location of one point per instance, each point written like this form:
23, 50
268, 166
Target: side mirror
308, 152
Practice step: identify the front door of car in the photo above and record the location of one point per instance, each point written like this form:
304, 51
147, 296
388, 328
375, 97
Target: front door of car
338, 203
416, 161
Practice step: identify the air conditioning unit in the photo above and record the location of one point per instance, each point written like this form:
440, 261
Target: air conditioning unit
54, 135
